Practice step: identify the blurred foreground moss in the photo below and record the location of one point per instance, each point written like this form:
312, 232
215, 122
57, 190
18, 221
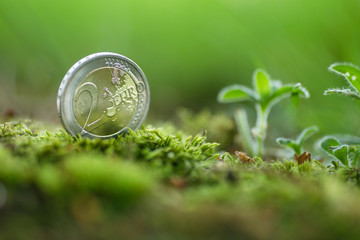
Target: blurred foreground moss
159, 183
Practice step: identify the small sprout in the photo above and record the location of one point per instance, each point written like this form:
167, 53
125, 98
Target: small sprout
296, 144
264, 95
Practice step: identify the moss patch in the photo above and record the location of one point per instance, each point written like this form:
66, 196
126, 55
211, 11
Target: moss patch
159, 183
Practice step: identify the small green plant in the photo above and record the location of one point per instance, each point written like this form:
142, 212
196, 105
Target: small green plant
296, 144
346, 151
266, 93
346, 154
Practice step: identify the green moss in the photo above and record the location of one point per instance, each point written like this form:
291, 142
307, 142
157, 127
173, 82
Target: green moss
159, 183
15, 128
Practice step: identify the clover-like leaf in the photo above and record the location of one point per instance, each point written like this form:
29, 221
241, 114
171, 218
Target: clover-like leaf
332, 146
236, 93
328, 144
342, 153
353, 143
349, 71
262, 83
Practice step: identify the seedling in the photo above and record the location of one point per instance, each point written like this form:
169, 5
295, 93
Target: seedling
296, 144
352, 74
347, 154
265, 94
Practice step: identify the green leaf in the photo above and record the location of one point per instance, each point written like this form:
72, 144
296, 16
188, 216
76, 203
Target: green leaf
262, 83
296, 145
354, 155
343, 92
281, 92
299, 90
283, 141
294, 91
333, 147
289, 143
328, 144
349, 71
341, 153
235, 93
306, 133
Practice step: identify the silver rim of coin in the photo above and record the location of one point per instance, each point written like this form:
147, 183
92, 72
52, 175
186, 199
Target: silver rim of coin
103, 95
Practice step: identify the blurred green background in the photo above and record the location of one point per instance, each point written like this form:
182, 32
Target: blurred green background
188, 49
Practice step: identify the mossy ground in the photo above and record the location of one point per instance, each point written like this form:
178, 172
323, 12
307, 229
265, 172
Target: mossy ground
160, 183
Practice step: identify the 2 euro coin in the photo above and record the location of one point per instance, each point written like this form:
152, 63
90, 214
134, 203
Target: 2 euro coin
103, 95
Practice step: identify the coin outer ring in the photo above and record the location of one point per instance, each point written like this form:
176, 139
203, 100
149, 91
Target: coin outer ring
78, 71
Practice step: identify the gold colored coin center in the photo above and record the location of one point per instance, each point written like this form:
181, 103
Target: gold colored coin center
105, 101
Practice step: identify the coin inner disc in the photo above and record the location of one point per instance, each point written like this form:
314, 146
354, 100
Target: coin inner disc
105, 101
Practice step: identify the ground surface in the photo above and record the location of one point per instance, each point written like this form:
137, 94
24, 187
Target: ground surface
159, 183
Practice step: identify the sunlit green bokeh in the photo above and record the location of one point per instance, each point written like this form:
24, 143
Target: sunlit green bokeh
188, 49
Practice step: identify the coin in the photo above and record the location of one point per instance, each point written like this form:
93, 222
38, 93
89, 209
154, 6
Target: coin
102, 96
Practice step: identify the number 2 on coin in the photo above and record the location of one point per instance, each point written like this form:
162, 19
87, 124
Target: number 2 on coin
92, 89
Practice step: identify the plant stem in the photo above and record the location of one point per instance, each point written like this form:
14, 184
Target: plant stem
244, 129
260, 128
